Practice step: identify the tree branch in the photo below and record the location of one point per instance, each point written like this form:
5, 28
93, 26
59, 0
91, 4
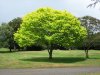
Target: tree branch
95, 2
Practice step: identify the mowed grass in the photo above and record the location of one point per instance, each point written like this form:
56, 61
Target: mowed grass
39, 59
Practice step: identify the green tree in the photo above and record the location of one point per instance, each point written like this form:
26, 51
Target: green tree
48, 26
97, 41
6, 33
92, 26
14, 25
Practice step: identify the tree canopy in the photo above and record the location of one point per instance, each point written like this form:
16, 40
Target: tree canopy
91, 24
48, 26
6, 32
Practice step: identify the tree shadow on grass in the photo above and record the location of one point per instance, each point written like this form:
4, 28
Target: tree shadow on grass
7, 51
55, 60
94, 58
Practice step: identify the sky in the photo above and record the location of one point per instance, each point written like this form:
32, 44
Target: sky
10, 9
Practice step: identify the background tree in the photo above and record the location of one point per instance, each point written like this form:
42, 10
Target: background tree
96, 44
6, 33
47, 26
93, 26
14, 24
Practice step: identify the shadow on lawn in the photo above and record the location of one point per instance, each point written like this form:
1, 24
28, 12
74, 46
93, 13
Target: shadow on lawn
94, 58
8, 51
5, 52
55, 60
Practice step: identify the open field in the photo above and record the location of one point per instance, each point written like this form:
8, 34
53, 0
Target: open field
39, 59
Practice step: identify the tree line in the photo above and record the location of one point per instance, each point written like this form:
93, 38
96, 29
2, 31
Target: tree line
50, 27
8, 29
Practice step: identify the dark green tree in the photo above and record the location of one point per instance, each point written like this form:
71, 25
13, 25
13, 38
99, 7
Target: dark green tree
6, 33
93, 26
14, 24
97, 41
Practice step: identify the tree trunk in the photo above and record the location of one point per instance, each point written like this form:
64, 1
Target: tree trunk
50, 53
86, 53
50, 50
86, 48
14, 47
10, 50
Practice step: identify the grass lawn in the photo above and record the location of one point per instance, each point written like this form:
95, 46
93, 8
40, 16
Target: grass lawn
39, 59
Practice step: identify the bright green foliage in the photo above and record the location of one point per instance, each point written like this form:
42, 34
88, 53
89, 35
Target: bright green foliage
49, 26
